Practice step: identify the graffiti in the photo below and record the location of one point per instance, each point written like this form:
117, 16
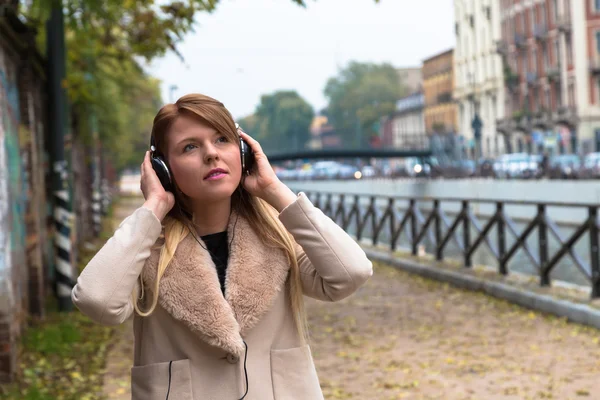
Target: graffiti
12, 186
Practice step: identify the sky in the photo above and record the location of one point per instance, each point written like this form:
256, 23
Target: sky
247, 48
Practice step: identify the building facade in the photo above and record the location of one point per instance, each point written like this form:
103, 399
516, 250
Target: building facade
411, 79
408, 122
479, 83
438, 85
550, 51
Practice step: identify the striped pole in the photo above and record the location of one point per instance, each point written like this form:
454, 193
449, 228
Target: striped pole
63, 221
57, 109
96, 196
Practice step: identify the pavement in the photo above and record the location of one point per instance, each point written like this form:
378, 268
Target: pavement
402, 336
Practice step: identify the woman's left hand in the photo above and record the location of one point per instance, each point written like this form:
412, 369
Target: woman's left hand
263, 182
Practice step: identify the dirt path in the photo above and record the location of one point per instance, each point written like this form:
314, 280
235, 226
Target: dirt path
404, 337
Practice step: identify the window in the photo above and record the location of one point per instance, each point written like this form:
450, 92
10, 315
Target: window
598, 42
597, 5
547, 98
543, 14
531, 18
555, 9
569, 50
556, 52
534, 65
545, 56
571, 94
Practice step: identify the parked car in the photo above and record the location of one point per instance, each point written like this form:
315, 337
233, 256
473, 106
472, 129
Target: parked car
591, 166
516, 165
564, 166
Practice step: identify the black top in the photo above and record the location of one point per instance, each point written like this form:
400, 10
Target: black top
216, 243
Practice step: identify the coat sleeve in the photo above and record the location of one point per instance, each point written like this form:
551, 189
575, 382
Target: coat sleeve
332, 265
103, 290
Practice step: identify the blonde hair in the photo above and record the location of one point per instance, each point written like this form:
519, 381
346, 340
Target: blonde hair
259, 214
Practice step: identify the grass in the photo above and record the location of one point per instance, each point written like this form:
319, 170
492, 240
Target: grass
63, 356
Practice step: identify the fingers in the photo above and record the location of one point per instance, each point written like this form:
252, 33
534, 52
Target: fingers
251, 142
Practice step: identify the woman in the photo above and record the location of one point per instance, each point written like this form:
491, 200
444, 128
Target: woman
214, 272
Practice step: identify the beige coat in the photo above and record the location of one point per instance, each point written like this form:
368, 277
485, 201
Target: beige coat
196, 335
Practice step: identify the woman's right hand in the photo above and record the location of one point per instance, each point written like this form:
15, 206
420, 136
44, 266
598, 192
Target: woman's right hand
158, 200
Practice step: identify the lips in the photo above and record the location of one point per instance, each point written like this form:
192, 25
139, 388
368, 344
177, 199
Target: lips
214, 173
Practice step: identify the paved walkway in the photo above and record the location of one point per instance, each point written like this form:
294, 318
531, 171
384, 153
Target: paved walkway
404, 337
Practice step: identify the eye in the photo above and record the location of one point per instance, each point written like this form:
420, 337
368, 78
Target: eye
188, 147
222, 139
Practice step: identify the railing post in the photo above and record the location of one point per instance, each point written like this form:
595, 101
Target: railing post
594, 261
501, 239
543, 244
438, 231
341, 209
466, 233
358, 224
373, 224
392, 225
413, 226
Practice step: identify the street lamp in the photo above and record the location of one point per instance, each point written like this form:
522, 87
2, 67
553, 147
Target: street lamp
476, 122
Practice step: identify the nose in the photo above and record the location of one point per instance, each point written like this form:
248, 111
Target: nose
211, 154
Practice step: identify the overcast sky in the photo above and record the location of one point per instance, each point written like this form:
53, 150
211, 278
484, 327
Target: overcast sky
251, 47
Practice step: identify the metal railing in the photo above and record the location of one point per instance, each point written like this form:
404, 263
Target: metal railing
373, 213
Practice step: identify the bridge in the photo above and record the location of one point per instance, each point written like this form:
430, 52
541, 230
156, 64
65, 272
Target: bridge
328, 154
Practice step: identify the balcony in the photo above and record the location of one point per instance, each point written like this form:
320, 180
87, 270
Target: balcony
522, 120
520, 41
542, 118
565, 114
563, 22
505, 125
531, 78
553, 74
595, 65
501, 47
540, 32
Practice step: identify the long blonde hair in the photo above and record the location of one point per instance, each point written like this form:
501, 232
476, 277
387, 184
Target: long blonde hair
259, 214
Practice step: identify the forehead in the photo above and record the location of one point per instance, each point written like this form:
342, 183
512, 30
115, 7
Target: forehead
185, 127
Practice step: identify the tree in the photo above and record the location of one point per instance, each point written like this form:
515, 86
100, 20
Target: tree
283, 121
359, 96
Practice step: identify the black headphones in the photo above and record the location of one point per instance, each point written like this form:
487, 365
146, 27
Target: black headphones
164, 175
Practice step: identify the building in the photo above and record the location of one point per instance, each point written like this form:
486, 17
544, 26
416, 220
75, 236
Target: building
411, 79
438, 84
405, 128
551, 53
479, 83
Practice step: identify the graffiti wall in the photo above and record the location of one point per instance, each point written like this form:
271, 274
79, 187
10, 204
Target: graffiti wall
12, 193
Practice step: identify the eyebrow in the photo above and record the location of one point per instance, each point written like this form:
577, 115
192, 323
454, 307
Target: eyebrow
191, 138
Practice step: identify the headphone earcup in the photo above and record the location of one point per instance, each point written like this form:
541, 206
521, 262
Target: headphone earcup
162, 171
247, 157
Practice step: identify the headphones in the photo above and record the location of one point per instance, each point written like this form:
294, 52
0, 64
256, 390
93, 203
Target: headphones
164, 175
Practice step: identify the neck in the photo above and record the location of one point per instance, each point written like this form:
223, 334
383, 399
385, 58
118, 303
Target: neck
212, 218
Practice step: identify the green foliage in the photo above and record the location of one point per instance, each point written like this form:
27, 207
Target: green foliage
359, 96
281, 121
61, 358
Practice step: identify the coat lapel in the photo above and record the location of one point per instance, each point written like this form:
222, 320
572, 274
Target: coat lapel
190, 290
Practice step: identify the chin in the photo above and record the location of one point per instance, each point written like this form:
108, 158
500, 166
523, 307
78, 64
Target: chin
214, 195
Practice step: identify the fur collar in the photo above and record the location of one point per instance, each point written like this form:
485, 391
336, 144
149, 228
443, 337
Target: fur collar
190, 290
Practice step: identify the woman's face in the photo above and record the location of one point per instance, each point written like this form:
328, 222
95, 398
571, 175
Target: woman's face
205, 163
